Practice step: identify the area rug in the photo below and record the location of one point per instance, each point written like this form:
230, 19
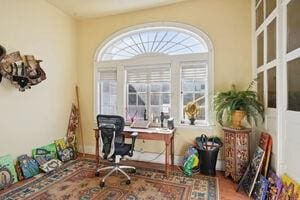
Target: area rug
76, 180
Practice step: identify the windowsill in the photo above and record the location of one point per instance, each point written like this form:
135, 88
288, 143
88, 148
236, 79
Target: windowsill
196, 126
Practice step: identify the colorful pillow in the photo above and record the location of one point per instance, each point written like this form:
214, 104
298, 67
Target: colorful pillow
66, 154
51, 165
60, 144
28, 166
7, 171
49, 152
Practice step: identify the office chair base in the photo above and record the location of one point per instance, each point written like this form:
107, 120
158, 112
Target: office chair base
115, 168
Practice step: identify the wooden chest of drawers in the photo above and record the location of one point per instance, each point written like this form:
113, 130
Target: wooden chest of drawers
236, 150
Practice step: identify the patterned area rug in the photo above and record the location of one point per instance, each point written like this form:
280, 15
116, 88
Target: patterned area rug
76, 180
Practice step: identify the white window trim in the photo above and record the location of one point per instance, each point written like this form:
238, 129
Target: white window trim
174, 61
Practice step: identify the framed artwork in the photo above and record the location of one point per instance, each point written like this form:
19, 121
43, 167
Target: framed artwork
8, 174
275, 186
260, 188
249, 178
265, 142
290, 189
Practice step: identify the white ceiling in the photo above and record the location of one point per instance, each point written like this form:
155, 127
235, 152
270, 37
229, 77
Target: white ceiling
81, 9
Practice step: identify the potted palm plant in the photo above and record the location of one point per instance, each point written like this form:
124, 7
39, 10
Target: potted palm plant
233, 105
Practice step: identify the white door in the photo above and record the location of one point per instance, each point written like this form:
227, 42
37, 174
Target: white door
291, 88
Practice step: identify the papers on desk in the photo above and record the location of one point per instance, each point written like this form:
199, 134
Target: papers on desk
148, 130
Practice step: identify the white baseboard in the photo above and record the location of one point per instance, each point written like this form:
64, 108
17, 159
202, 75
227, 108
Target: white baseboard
152, 157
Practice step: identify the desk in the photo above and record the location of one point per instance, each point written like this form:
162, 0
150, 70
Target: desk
148, 134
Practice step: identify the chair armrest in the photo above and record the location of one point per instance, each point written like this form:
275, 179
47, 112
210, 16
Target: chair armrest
133, 136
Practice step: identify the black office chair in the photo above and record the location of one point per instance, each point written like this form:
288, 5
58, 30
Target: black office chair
112, 144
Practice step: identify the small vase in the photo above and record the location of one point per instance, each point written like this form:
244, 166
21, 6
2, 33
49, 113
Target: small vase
192, 121
237, 118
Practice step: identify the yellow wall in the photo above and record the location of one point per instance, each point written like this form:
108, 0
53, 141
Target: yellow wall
39, 115
227, 23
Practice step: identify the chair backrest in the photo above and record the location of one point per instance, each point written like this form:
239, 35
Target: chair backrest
111, 127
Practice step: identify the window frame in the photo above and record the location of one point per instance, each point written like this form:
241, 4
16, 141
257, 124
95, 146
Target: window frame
175, 63
207, 119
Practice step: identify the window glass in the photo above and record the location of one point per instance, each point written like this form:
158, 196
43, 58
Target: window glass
108, 97
193, 81
293, 73
259, 14
260, 87
107, 85
272, 87
270, 6
260, 49
293, 25
152, 92
159, 41
271, 50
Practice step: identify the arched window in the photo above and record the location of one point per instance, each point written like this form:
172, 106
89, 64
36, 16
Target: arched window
153, 41
153, 68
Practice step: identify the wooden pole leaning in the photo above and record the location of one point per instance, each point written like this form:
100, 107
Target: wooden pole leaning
80, 122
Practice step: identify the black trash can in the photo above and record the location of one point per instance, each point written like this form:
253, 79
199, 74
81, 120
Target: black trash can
208, 155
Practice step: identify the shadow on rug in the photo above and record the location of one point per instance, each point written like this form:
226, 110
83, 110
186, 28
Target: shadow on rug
76, 180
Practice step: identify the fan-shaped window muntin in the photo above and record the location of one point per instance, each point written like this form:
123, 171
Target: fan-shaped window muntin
153, 41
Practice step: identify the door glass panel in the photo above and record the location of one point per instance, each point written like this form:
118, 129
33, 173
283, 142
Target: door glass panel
272, 87
271, 31
259, 14
270, 6
260, 49
293, 73
260, 87
293, 25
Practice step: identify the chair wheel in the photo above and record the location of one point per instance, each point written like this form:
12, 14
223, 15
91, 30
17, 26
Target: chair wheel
97, 174
102, 184
128, 182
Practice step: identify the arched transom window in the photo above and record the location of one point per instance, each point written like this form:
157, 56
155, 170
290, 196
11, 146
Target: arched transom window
152, 41
145, 70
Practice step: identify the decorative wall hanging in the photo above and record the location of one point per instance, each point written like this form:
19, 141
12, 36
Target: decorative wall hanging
8, 174
2, 54
23, 71
73, 125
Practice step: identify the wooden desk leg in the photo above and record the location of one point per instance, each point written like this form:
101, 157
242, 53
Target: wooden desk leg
97, 146
172, 150
167, 156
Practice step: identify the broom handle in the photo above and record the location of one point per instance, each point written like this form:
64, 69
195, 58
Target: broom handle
80, 122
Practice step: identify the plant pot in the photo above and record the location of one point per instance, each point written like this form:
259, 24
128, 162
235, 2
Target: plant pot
237, 118
192, 121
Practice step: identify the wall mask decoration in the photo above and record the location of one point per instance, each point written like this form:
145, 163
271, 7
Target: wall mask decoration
23, 71
2, 54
